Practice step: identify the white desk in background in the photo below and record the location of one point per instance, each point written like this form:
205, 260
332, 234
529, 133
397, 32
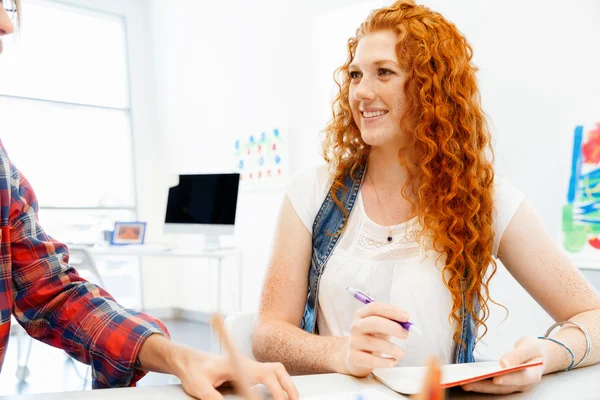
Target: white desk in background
160, 251
580, 384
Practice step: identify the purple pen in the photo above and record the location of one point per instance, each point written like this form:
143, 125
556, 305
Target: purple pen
366, 299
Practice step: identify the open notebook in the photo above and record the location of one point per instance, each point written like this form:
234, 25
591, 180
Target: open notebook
409, 380
369, 394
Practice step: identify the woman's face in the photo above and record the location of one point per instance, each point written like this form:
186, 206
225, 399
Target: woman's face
377, 97
6, 24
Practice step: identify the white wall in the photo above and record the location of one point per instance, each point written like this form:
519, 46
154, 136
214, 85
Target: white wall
222, 66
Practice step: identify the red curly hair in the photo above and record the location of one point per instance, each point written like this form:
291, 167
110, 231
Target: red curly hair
448, 153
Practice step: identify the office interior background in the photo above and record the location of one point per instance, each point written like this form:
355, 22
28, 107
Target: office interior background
103, 103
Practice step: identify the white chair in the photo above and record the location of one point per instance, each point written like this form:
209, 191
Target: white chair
239, 326
83, 261
22, 362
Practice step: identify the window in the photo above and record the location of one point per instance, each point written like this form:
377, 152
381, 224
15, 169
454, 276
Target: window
66, 121
66, 124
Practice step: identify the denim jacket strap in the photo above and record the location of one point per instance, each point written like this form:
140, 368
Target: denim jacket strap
466, 348
325, 235
330, 219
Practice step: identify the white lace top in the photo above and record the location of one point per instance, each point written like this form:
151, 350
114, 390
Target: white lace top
401, 273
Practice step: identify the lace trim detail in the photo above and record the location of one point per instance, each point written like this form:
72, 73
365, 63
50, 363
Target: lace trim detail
397, 253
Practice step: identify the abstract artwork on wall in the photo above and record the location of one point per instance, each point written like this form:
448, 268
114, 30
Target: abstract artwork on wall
581, 214
261, 158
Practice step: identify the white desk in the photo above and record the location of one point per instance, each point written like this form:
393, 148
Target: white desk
157, 251
580, 384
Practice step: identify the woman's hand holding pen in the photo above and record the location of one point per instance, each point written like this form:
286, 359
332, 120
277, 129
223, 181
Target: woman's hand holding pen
370, 334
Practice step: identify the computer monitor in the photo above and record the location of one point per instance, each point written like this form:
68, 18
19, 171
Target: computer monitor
204, 204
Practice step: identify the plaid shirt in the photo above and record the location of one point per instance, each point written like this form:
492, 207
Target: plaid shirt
52, 302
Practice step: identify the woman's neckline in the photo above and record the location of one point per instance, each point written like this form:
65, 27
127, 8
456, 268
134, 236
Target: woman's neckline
379, 226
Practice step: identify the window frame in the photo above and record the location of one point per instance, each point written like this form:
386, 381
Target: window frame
134, 15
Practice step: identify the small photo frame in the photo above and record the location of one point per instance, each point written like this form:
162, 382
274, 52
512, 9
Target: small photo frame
128, 233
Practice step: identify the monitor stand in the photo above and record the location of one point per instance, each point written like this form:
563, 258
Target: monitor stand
212, 242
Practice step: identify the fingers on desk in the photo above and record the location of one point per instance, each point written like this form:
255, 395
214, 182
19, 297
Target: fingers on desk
487, 386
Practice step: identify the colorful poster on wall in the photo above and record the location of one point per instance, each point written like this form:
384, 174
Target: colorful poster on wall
261, 158
581, 214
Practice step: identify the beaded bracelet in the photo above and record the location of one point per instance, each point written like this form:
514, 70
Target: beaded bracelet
588, 340
568, 349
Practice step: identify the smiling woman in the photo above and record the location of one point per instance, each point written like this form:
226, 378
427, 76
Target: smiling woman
408, 208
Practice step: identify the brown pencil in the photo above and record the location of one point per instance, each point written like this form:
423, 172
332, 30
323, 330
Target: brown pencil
432, 388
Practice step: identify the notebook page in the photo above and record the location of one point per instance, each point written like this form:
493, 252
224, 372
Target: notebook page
369, 394
409, 380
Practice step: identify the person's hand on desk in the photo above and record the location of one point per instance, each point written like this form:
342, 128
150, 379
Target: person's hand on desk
527, 349
201, 373
369, 339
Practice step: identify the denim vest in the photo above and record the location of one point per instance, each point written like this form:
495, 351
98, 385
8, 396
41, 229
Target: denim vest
330, 220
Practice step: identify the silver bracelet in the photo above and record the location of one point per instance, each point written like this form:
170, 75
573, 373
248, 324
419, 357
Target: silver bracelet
588, 340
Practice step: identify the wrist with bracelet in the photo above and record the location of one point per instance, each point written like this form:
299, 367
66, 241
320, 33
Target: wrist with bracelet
587, 339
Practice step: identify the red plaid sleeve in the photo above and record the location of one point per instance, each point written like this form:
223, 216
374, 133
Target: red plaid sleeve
56, 306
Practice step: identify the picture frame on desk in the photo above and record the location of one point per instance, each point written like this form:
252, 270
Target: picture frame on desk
128, 233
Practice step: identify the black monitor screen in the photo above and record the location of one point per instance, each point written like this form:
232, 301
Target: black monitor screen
203, 199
